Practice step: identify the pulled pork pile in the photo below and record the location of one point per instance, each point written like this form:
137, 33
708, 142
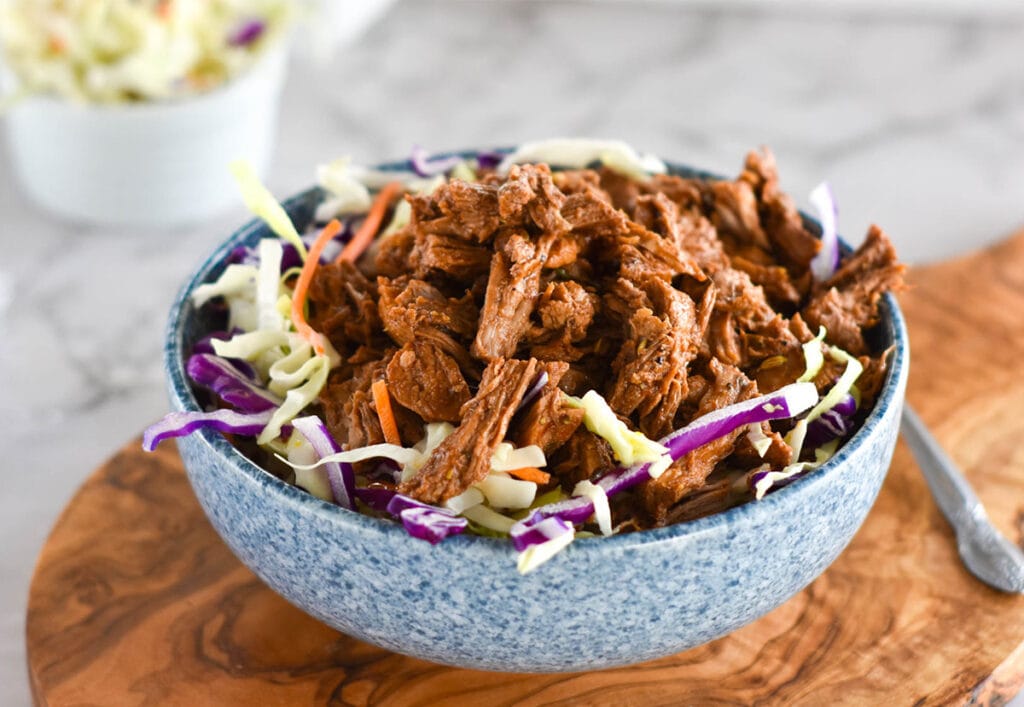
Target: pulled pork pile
670, 297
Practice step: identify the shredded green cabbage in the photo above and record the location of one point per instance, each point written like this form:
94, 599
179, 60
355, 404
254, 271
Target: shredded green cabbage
297, 374
433, 434
467, 499
346, 194
301, 454
580, 152
505, 492
401, 455
758, 439
508, 458
399, 220
826, 451
813, 356
536, 555
235, 281
489, 518
598, 496
250, 344
795, 439
263, 204
268, 285
464, 171
292, 368
768, 480
628, 446
297, 399
842, 386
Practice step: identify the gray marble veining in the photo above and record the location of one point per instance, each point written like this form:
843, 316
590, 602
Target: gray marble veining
918, 124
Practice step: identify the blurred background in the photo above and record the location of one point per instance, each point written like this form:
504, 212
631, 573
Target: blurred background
913, 111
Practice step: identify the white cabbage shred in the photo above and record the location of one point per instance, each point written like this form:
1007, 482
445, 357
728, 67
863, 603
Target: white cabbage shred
577, 153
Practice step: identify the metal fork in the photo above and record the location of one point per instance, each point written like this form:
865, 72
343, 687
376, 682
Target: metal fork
987, 554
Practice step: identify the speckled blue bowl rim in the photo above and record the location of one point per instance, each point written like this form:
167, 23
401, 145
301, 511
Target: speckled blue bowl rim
183, 398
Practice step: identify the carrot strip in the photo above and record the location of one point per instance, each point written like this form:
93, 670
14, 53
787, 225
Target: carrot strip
382, 401
371, 224
302, 287
531, 473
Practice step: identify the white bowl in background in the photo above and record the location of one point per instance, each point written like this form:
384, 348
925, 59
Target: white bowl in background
146, 164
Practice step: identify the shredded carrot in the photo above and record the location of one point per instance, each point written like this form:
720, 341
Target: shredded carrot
163, 9
302, 287
531, 473
371, 224
382, 401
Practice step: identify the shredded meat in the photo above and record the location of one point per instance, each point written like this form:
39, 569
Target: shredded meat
348, 406
589, 211
565, 310
414, 308
457, 258
791, 242
688, 474
464, 457
512, 290
670, 296
345, 306
848, 302
462, 209
736, 213
645, 253
581, 458
548, 422
426, 380
530, 197
396, 253
651, 365
773, 279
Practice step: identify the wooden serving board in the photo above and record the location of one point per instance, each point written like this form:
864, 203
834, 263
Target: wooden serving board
136, 601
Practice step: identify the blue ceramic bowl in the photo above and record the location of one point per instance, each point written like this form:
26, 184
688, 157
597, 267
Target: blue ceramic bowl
600, 603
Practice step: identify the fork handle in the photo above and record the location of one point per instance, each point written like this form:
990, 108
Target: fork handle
954, 496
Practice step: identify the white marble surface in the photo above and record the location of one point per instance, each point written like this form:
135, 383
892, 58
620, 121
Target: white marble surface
919, 125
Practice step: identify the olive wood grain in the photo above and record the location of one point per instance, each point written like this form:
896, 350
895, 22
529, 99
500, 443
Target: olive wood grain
136, 601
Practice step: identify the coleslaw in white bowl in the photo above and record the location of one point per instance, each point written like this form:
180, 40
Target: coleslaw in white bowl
135, 126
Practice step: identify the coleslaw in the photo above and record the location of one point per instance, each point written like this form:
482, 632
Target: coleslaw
117, 51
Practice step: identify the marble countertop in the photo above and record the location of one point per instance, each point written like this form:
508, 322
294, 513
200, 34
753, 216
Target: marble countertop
917, 123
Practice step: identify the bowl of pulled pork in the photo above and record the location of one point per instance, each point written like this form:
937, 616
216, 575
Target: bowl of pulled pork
551, 408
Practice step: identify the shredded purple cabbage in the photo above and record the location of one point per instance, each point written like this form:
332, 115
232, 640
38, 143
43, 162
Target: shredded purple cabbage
824, 264
376, 497
205, 345
424, 521
179, 424
757, 476
249, 255
523, 535
426, 166
234, 386
340, 475
489, 159
833, 423
784, 403
247, 33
